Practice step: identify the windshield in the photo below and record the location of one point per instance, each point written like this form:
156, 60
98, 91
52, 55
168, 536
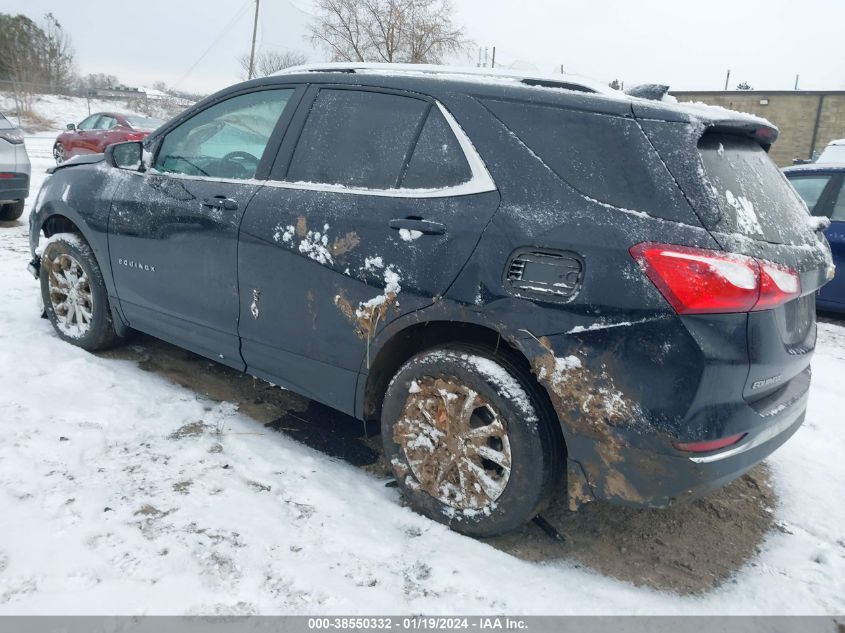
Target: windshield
143, 122
833, 154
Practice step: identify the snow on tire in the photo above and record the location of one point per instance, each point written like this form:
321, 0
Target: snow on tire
467, 441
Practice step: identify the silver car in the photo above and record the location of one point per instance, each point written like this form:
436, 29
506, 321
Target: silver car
14, 170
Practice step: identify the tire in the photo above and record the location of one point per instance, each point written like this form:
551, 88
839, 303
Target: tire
74, 294
439, 444
11, 211
59, 153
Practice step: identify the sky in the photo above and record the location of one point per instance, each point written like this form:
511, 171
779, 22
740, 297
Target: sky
193, 45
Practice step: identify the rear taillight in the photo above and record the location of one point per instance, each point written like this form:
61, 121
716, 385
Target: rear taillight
709, 445
703, 281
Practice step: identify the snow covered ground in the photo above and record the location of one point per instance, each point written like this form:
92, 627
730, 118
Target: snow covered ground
122, 493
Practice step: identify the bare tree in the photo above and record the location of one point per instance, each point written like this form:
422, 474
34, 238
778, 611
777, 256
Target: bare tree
269, 62
58, 56
406, 31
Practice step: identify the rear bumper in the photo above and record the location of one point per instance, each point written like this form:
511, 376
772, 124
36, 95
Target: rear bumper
629, 397
14, 187
644, 478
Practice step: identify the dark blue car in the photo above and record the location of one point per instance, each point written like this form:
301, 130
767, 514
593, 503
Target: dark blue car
821, 187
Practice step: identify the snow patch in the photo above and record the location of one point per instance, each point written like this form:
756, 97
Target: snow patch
746, 216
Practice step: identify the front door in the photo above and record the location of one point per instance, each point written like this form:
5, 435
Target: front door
173, 231
376, 215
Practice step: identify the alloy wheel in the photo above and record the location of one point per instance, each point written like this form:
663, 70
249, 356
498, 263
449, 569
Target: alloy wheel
70, 295
455, 443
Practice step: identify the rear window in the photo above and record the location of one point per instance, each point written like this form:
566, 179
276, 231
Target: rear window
607, 158
754, 197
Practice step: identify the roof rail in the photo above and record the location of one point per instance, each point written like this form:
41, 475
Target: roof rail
565, 82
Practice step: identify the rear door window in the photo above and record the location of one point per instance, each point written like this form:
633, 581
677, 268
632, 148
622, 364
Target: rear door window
438, 160
753, 195
357, 139
810, 188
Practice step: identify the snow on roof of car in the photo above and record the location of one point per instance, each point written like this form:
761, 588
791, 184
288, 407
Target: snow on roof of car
507, 77
460, 73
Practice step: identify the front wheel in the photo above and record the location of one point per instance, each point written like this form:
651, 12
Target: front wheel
74, 293
468, 443
59, 153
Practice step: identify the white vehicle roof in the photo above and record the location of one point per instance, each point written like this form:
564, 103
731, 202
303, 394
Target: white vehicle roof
834, 152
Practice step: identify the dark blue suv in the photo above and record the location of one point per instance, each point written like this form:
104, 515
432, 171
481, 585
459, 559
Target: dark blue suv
527, 280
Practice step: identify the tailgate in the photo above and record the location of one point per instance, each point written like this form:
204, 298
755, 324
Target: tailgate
750, 208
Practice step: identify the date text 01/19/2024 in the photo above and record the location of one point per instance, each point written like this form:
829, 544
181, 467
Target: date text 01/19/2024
417, 623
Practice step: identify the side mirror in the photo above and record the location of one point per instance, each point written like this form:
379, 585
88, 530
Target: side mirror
128, 155
71, 127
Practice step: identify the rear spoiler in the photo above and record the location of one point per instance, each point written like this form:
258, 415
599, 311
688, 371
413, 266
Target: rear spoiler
765, 135
710, 118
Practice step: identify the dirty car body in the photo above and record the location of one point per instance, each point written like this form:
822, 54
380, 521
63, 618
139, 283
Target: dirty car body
353, 217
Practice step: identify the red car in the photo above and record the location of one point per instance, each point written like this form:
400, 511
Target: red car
100, 130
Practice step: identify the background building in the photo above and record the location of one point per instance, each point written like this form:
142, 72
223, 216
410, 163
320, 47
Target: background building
808, 120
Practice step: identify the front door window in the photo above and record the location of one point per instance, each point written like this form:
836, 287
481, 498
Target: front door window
226, 140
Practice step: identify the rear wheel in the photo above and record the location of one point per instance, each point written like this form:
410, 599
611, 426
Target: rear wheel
74, 293
59, 153
11, 211
464, 433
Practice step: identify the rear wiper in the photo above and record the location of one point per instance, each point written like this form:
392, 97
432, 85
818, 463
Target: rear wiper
818, 223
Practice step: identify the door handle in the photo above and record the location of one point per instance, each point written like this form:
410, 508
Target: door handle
220, 202
425, 227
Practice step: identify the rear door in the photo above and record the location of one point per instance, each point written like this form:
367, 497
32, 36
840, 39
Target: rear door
173, 231
379, 202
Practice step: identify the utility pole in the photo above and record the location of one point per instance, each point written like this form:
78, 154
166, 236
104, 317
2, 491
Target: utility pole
254, 33
493, 62
727, 78
796, 81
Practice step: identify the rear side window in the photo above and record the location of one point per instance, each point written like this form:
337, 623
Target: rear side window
357, 139
604, 157
754, 196
810, 188
438, 160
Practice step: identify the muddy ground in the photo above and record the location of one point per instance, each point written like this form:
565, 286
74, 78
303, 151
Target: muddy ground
687, 549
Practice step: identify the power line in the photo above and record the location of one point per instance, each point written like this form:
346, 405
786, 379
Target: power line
220, 35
